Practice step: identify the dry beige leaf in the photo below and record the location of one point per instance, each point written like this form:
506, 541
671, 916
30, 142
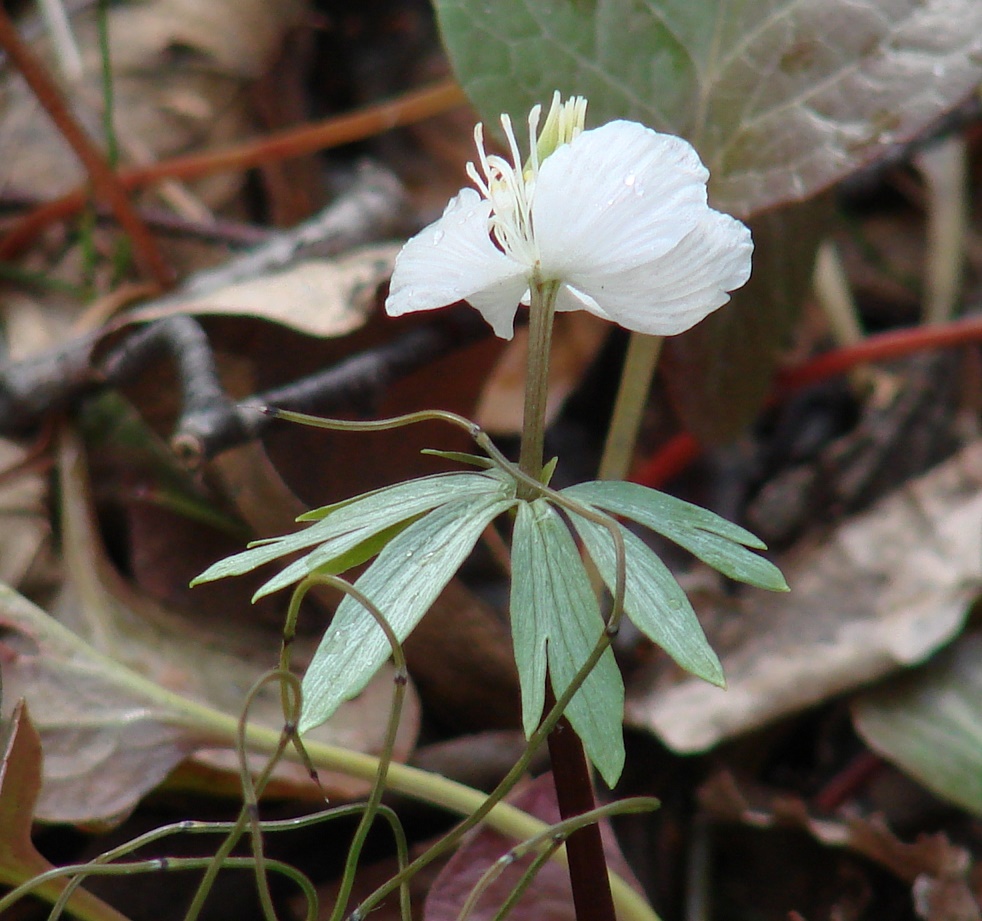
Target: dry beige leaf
24, 528
319, 297
884, 590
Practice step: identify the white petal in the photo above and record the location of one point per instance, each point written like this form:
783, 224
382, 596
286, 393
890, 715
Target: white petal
671, 293
615, 197
454, 259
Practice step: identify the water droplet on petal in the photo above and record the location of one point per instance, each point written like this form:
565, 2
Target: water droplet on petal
629, 179
437, 237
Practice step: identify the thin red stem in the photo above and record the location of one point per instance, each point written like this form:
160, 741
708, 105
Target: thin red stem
105, 182
295, 142
592, 899
680, 451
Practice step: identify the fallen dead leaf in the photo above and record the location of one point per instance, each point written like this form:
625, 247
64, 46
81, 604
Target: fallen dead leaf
882, 591
936, 869
320, 297
115, 701
24, 527
20, 783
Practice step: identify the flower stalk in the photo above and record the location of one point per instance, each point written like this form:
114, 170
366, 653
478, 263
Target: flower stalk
640, 363
588, 876
542, 310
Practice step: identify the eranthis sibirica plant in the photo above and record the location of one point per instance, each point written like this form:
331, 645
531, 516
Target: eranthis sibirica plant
615, 216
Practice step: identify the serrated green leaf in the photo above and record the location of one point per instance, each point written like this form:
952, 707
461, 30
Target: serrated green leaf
403, 583
556, 620
653, 599
780, 97
707, 536
929, 723
349, 524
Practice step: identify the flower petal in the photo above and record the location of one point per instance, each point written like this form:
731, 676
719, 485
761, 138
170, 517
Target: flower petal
614, 197
454, 259
674, 291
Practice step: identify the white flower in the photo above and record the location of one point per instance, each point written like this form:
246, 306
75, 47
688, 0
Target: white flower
617, 215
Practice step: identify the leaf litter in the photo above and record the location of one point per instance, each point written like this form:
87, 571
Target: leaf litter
913, 557
110, 699
881, 591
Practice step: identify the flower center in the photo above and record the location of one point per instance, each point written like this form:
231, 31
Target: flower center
510, 186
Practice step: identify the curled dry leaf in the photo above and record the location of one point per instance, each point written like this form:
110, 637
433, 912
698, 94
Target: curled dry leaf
882, 591
319, 297
936, 869
118, 702
20, 782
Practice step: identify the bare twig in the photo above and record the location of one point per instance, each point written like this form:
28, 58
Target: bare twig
104, 180
210, 421
355, 383
333, 132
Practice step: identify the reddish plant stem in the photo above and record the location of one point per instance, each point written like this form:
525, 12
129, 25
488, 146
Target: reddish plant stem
295, 142
851, 779
592, 900
881, 347
104, 180
681, 450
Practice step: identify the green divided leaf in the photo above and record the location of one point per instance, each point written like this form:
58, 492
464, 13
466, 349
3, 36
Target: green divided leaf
653, 599
410, 572
714, 540
333, 557
348, 528
556, 622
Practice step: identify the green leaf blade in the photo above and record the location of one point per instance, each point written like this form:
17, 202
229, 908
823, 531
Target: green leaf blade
556, 620
357, 520
714, 540
928, 722
653, 599
403, 583
781, 98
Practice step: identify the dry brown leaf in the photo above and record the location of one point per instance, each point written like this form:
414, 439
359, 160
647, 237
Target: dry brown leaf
24, 528
104, 695
20, 782
936, 869
884, 590
319, 297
